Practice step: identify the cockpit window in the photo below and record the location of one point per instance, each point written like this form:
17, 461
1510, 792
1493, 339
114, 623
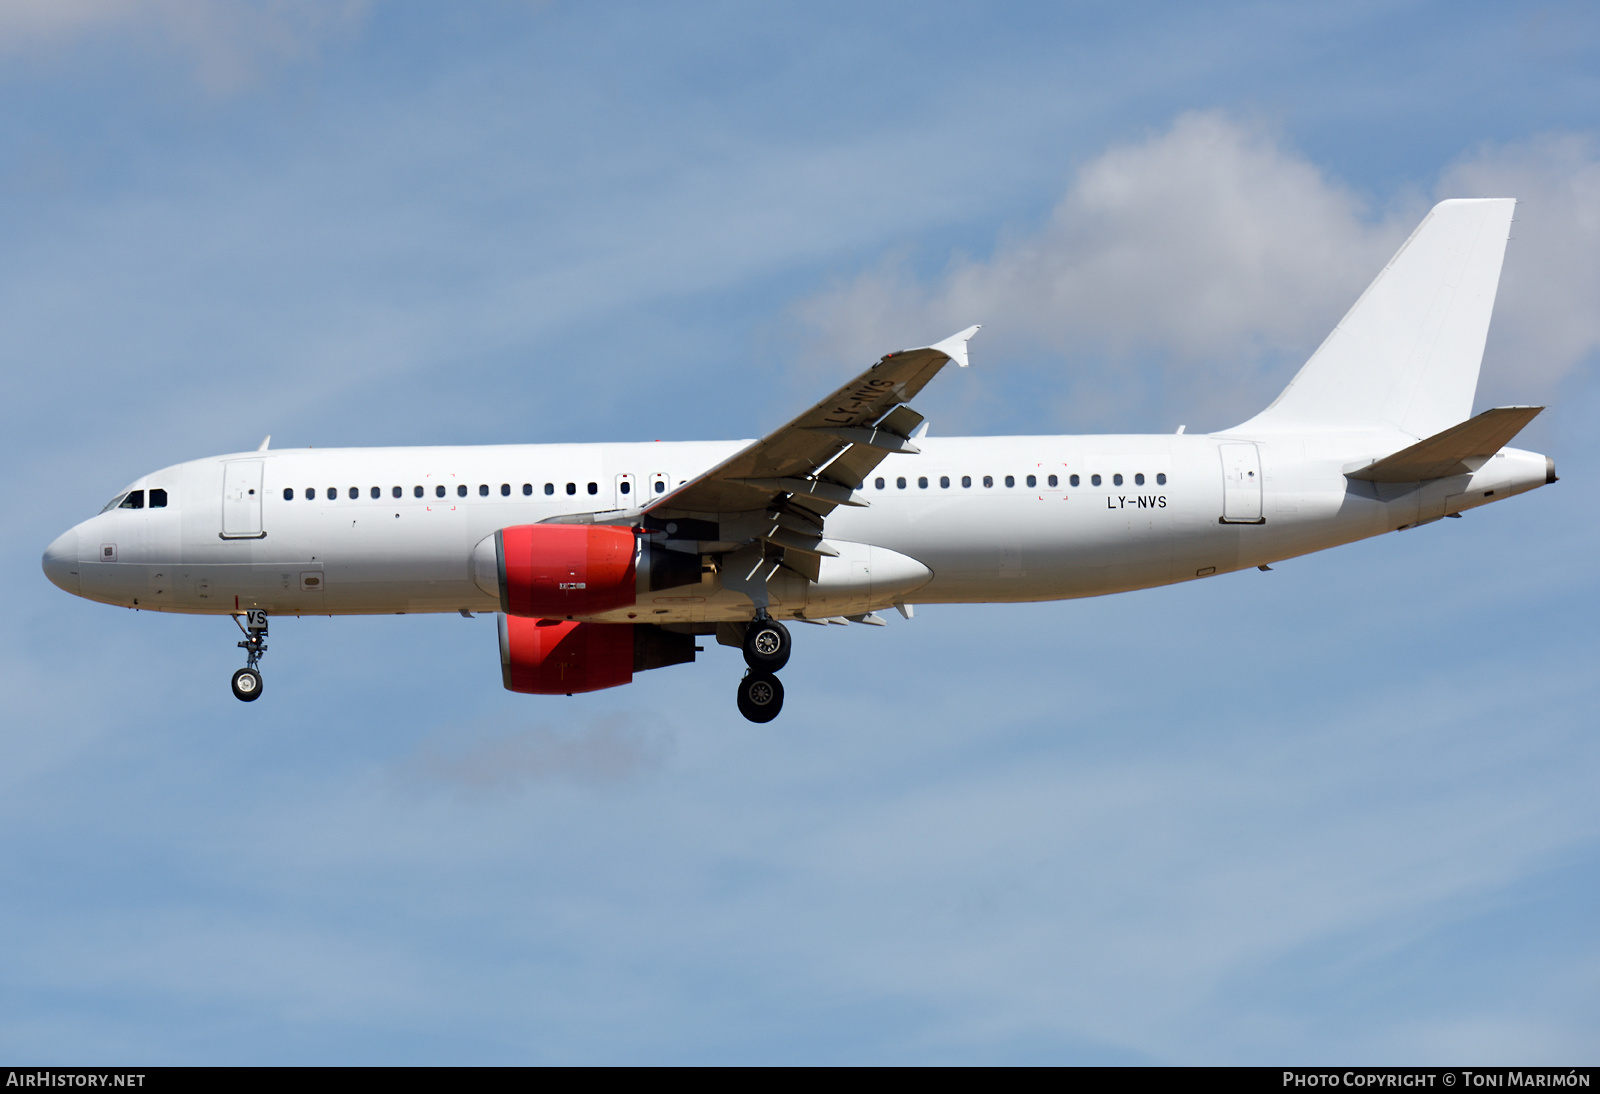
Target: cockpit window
158, 499
113, 503
134, 500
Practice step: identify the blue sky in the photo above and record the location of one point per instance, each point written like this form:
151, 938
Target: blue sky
1345, 810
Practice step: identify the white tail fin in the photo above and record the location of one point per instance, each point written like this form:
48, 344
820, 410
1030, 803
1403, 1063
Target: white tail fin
1406, 356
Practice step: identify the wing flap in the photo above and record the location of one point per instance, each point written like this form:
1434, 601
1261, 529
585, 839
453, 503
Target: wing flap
825, 454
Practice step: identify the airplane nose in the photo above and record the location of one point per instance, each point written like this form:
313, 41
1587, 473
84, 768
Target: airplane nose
61, 562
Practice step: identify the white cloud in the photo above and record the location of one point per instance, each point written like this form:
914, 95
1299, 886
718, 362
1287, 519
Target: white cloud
1547, 317
1203, 243
1222, 258
228, 43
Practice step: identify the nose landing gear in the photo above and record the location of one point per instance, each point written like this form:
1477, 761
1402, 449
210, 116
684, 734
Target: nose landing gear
766, 650
247, 681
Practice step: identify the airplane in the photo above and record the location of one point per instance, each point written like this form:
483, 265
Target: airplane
605, 560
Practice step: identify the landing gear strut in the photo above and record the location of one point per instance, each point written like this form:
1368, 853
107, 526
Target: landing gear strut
247, 681
766, 650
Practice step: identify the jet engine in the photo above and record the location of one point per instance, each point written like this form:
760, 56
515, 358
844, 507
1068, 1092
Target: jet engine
559, 657
564, 571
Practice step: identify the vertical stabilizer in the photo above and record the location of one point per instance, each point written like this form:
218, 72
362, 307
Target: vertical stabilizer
1406, 356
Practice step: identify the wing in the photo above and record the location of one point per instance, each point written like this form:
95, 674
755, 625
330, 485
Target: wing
784, 485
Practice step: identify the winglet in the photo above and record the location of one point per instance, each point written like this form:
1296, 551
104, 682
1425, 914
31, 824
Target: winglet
955, 347
264, 442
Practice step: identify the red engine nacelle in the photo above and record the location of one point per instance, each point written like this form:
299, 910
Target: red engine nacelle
558, 657
565, 569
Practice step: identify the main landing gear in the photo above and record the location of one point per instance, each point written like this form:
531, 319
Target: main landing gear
766, 650
247, 681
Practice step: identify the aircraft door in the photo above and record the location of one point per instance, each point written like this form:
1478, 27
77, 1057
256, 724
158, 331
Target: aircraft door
626, 498
241, 500
1241, 484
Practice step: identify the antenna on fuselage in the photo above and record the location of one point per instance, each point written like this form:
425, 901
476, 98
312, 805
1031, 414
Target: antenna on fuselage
264, 442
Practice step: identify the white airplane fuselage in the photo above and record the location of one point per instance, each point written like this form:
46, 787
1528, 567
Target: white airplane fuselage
604, 560
393, 530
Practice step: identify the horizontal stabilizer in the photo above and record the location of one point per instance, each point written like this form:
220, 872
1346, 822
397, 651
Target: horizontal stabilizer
1459, 450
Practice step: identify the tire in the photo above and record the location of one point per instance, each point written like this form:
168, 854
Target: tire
767, 645
247, 685
760, 696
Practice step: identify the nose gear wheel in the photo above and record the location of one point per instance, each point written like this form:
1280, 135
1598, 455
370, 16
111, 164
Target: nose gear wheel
247, 685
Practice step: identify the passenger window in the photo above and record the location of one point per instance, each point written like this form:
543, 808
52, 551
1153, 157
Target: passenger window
333, 493
377, 492
505, 490
1011, 480
134, 500
900, 483
1095, 479
1074, 480
416, 491
1052, 480
594, 488
158, 499
1138, 480
922, 482
288, 495
355, 492
1116, 480
626, 486
878, 482
1033, 480
438, 491
966, 480
572, 488
461, 491
527, 489
483, 490
944, 482
311, 493
988, 481
1161, 478
398, 492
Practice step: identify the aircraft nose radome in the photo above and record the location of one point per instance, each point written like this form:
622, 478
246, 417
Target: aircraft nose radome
60, 562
